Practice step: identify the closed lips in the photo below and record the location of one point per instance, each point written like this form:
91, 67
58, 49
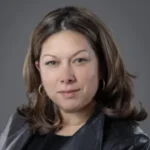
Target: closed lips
69, 91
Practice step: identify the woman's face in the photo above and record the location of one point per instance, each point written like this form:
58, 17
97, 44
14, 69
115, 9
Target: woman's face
68, 63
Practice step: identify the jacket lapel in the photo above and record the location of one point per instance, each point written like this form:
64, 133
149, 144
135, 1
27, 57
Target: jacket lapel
88, 137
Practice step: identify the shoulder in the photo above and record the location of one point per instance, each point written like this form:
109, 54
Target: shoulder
120, 134
14, 128
15, 123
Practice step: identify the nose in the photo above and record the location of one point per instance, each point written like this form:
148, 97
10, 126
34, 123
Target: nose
67, 75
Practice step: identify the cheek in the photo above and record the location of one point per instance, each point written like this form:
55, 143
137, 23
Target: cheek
45, 75
48, 79
91, 86
88, 74
89, 79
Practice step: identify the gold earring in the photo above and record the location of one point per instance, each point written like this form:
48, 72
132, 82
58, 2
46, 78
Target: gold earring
40, 89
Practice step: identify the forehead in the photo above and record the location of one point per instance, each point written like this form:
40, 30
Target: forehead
65, 41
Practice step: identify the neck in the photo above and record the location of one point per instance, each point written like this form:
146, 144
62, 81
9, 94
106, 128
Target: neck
77, 118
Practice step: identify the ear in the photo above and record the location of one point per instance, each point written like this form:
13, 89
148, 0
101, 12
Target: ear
37, 65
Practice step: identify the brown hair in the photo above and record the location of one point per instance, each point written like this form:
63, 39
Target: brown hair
115, 100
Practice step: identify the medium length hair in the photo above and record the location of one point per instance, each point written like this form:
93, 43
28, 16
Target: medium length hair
115, 100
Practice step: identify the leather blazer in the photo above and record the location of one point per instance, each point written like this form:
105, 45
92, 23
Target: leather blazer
99, 133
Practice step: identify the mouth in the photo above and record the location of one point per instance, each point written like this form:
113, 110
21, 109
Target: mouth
69, 93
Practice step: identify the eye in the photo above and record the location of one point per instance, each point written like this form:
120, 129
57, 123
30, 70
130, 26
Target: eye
80, 60
51, 63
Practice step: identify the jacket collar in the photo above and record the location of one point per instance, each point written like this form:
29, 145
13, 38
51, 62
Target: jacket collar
88, 137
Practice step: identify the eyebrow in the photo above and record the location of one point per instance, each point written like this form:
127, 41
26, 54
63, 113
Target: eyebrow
83, 50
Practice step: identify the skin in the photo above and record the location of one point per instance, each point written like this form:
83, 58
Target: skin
67, 61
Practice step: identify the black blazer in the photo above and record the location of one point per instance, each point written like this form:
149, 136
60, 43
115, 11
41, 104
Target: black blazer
99, 133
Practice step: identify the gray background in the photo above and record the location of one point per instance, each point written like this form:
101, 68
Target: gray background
129, 21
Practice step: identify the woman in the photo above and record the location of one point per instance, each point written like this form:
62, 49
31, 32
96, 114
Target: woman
80, 93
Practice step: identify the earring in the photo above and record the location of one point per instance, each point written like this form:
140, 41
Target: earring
39, 89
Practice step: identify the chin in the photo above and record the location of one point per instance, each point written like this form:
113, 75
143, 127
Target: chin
71, 109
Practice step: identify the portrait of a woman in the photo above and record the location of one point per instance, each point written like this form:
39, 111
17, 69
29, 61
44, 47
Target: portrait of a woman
80, 94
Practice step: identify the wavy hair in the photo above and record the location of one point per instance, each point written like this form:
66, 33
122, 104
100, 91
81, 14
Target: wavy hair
115, 100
